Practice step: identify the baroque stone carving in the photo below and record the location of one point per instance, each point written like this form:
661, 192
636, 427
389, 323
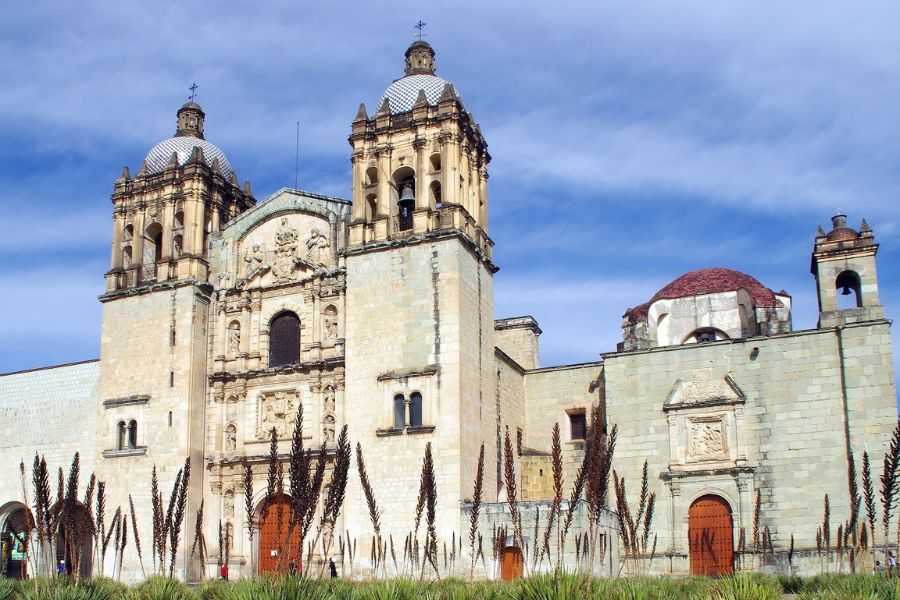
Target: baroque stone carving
328, 403
316, 247
255, 260
331, 323
328, 429
285, 252
278, 410
230, 438
229, 503
234, 338
707, 438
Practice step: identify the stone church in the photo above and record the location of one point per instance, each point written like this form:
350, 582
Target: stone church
223, 314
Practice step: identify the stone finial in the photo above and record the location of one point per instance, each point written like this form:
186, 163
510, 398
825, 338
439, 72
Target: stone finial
361, 114
421, 100
234, 179
420, 58
448, 93
173, 161
247, 187
820, 232
126, 172
385, 108
196, 156
864, 227
216, 167
144, 168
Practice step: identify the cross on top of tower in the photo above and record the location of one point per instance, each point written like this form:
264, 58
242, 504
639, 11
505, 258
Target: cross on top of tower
420, 26
193, 89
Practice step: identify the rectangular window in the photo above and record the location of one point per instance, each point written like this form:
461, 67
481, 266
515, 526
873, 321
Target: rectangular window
577, 426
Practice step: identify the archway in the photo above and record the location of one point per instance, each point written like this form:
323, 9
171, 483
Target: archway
710, 536
75, 528
276, 548
14, 542
512, 564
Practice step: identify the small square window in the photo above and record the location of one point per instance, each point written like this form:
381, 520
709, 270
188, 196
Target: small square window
577, 426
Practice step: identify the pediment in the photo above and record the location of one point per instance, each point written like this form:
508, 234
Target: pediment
704, 390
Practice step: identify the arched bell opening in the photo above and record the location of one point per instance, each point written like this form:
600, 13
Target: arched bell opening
405, 190
435, 191
848, 287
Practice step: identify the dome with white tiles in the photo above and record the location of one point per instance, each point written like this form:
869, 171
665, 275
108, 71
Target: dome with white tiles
403, 93
188, 136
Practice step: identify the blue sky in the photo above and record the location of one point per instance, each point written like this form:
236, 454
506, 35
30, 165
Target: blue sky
631, 142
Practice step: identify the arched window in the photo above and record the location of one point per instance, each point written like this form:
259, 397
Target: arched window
126, 256
435, 161
121, 436
415, 409
177, 246
705, 335
405, 190
848, 287
435, 189
153, 244
399, 411
371, 207
129, 233
284, 340
371, 176
132, 434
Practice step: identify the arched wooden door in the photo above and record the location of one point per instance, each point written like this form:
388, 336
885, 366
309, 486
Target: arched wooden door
511, 563
274, 541
710, 537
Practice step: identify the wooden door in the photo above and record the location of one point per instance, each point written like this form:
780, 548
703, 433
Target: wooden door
273, 540
511, 563
710, 537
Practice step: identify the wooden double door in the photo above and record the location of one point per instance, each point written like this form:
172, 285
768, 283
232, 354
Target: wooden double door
711, 537
512, 564
276, 549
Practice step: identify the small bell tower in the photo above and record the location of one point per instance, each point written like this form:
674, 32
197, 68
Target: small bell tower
843, 263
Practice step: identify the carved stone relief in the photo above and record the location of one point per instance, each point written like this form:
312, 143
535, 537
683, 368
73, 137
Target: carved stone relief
707, 438
255, 260
230, 438
285, 252
328, 403
317, 248
278, 410
234, 338
331, 323
229, 504
328, 429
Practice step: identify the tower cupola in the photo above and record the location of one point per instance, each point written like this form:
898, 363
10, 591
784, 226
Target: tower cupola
420, 59
190, 121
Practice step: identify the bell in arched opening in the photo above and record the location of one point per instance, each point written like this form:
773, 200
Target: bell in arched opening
405, 207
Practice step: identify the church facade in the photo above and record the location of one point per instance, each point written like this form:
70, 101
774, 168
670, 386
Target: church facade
223, 315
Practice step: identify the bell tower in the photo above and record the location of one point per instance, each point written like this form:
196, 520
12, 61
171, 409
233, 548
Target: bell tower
154, 342
420, 320
420, 163
843, 263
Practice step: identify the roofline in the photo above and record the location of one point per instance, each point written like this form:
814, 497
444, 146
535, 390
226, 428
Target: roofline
47, 368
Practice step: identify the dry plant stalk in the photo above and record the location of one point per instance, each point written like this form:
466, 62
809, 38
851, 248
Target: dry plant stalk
374, 513
509, 472
476, 508
137, 537
554, 516
334, 500
178, 517
826, 530
429, 483
158, 519
248, 498
889, 484
198, 534
869, 498
634, 540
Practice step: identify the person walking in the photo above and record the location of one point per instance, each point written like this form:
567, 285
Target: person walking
224, 572
332, 568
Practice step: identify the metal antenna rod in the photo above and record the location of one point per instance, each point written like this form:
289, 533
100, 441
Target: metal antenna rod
297, 159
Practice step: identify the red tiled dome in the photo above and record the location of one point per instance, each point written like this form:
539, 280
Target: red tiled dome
707, 281
842, 233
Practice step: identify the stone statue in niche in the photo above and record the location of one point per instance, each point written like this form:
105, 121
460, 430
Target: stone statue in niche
316, 247
331, 323
328, 429
229, 503
234, 338
177, 246
278, 410
707, 438
230, 438
286, 251
254, 259
329, 399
